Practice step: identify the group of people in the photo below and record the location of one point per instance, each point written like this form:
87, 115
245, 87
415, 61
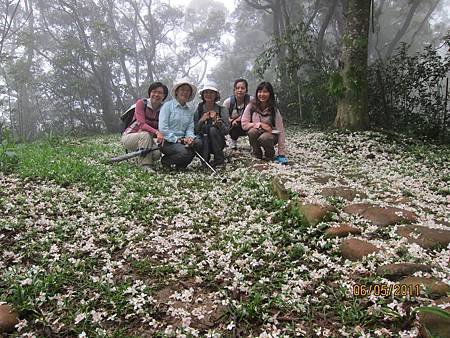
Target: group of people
177, 132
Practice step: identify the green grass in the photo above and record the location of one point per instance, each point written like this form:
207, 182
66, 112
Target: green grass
82, 239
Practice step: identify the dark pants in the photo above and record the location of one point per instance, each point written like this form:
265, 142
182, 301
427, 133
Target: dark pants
213, 142
259, 140
178, 154
237, 131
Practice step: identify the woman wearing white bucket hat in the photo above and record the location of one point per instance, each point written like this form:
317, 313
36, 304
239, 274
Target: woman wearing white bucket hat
176, 122
211, 124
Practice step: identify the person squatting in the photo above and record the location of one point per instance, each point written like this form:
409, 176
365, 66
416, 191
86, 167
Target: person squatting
177, 133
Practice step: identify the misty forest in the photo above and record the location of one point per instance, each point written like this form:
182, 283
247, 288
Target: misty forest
315, 205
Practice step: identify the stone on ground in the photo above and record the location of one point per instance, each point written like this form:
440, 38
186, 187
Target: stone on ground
315, 213
434, 325
381, 216
279, 190
399, 270
342, 230
432, 287
427, 238
346, 193
355, 249
8, 318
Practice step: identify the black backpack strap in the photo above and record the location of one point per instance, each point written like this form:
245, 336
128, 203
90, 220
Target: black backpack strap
232, 104
246, 100
272, 116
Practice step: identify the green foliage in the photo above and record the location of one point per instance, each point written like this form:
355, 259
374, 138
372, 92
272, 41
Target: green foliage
301, 69
407, 93
433, 310
8, 156
336, 85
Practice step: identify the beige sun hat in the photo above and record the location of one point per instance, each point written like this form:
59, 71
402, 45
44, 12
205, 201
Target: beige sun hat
210, 87
181, 82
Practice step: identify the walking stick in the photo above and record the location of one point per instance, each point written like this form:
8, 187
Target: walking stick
140, 152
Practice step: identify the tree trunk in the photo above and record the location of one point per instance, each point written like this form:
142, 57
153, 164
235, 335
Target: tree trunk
29, 116
425, 20
403, 30
352, 112
323, 28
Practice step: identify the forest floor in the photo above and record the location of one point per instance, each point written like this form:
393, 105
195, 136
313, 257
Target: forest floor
350, 239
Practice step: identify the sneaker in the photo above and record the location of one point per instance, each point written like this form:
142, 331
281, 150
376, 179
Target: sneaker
280, 159
218, 164
233, 144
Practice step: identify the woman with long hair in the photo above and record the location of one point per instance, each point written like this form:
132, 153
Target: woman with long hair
235, 105
264, 124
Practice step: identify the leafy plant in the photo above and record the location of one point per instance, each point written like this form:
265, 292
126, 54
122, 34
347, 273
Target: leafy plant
408, 93
8, 157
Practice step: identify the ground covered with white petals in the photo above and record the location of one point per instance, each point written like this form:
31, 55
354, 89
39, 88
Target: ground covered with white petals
89, 249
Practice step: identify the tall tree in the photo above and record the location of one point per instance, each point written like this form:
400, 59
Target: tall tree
404, 28
352, 112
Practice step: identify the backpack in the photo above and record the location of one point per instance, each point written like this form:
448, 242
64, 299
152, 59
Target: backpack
233, 102
127, 118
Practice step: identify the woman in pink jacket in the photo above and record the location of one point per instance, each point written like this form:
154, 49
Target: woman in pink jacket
264, 124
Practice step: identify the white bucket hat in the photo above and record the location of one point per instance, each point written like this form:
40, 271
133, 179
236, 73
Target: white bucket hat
210, 87
181, 82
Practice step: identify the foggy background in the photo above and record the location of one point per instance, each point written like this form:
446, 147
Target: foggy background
73, 66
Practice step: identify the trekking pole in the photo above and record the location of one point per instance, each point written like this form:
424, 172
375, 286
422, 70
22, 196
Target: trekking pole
140, 152
205, 161
223, 179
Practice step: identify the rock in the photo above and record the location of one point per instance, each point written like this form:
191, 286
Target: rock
399, 270
8, 318
279, 189
355, 249
315, 213
342, 231
381, 216
427, 238
323, 179
443, 222
261, 166
402, 200
346, 193
436, 325
357, 208
431, 286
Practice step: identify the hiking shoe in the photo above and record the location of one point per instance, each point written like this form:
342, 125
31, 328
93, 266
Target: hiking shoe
181, 168
148, 168
280, 159
218, 164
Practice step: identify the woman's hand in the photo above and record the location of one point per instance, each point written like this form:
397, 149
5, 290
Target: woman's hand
212, 114
204, 117
188, 141
266, 127
159, 137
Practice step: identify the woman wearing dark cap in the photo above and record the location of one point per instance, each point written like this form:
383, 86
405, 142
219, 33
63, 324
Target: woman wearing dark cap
143, 133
